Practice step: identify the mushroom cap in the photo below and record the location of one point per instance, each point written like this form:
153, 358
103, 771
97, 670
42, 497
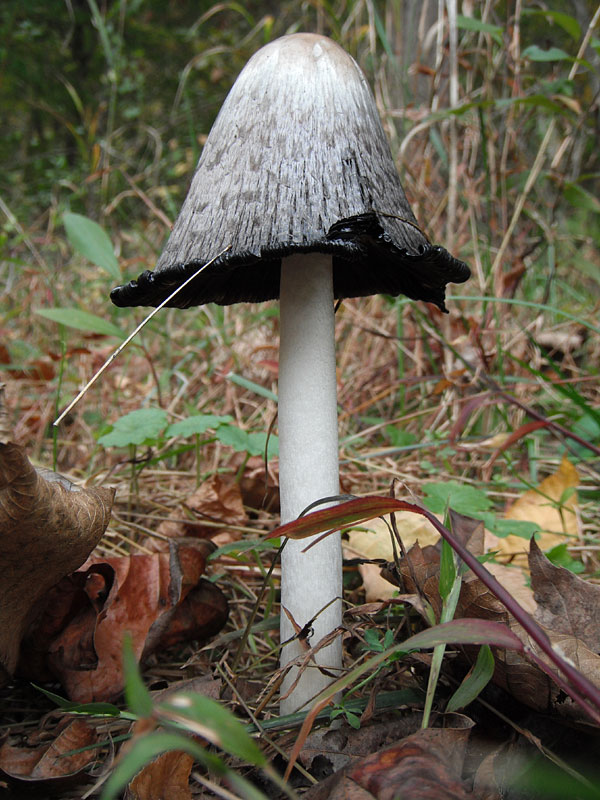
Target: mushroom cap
296, 162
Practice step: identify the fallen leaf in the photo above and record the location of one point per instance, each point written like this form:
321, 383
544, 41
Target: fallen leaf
259, 490
167, 777
47, 764
49, 527
159, 599
219, 501
423, 766
540, 506
565, 602
373, 541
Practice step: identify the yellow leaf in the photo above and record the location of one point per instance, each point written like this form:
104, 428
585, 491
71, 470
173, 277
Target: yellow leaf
558, 521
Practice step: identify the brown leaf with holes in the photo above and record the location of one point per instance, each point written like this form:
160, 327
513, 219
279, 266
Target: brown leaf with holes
49, 527
423, 766
168, 776
47, 764
159, 599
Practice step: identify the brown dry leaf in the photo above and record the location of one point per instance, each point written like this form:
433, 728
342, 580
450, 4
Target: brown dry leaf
165, 778
332, 749
538, 505
217, 500
373, 541
47, 764
565, 602
259, 490
159, 599
49, 527
423, 766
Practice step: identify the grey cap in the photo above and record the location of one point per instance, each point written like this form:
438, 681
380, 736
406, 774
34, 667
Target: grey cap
296, 162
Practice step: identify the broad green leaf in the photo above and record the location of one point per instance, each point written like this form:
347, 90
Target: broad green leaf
92, 241
197, 424
258, 441
475, 681
235, 437
472, 24
244, 442
137, 427
399, 437
137, 696
566, 22
560, 556
536, 53
203, 716
507, 527
460, 497
80, 320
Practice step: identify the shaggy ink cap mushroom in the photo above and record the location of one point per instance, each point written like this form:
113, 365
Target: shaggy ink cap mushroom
296, 178
296, 162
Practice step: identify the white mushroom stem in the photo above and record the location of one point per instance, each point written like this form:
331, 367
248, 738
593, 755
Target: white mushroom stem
308, 464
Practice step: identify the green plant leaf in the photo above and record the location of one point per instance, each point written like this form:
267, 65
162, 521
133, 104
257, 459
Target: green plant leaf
507, 527
536, 53
447, 570
373, 641
579, 197
451, 494
137, 427
474, 681
464, 631
258, 442
80, 320
244, 442
148, 747
235, 437
566, 22
251, 386
92, 709
560, 556
137, 696
472, 24
209, 719
92, 241
197, 424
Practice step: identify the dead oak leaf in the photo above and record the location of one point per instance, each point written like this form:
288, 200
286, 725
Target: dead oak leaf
49, 527
565, 602
158, 599
48, 764
423, 766
167, 776
217, 501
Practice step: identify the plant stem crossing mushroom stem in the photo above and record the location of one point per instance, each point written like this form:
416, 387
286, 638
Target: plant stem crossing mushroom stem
308, 463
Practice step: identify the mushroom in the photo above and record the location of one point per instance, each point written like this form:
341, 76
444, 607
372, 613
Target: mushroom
297, 178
